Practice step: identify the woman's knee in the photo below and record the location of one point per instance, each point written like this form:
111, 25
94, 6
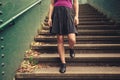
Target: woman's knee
72, 38
60, 39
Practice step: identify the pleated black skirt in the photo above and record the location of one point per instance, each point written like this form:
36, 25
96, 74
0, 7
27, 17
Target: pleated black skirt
63, 21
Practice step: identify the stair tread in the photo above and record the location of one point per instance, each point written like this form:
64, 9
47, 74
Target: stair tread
72, 71
86, 55
78, 37
89, 30
78, 45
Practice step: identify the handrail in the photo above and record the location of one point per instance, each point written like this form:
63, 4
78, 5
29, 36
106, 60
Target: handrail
19, 14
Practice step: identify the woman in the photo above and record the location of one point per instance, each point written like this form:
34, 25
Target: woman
62, 22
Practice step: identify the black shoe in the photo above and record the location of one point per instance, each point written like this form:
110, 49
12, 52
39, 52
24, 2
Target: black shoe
63, 68
72, 53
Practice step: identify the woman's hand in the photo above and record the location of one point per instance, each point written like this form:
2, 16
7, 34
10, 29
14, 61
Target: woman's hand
49, 22
76, 20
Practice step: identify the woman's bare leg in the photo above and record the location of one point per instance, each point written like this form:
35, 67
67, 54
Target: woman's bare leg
61, 49
61, 52
72, 41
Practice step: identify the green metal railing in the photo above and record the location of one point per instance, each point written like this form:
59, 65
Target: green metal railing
19, 14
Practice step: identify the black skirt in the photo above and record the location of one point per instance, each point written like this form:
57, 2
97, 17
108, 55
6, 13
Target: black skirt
63, 21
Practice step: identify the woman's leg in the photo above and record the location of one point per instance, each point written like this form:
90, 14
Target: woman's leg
61, 49
61, 52
72, 41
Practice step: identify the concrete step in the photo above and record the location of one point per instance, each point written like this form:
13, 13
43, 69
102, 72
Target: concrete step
90, 16
88, 13
99, 27
94, 19
81, 59
96, 23
88, 32
87, 18
73, 73
90, 19
39, 46
80, 39
92, 23
92, 27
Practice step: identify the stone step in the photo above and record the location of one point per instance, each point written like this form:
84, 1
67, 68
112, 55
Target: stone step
96, 23
91, 27
94, 19
88, 13
88, 9
90, 19
86, 59
73, 73
92, 23
88, 32
80, 39
94, 16
98, 27
39, 46
99, 15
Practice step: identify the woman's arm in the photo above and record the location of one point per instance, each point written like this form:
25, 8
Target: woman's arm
51, 7
76, 9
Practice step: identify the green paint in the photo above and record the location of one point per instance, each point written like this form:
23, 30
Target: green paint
109, 7
82, 1
18, 37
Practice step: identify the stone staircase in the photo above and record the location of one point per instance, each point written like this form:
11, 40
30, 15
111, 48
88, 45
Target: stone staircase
97, 51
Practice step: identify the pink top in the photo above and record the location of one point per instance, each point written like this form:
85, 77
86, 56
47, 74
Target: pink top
66, 3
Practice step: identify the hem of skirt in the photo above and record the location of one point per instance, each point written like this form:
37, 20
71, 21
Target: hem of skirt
64, 34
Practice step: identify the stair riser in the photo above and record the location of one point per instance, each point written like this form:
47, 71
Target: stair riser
89, 19
90, 23
81, 42
91, 15
50, 40
73, 77
97, 51
88, 34
77, 48
92, 27
79, 61
95, 23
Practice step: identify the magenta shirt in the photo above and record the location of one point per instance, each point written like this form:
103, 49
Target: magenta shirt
66, 3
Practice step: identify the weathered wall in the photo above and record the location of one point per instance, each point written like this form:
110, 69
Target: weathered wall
109, 7
17, 38
82, 1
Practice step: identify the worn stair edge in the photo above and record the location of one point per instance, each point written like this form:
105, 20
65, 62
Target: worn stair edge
88, 32
94, 38
89, 19
105, 25
86, 73
92, 28
92, 23
37, 46
80, 58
